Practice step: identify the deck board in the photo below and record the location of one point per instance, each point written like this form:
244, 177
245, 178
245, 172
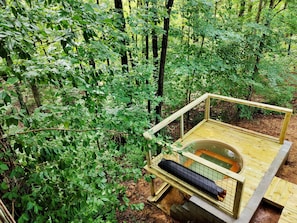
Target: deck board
282, 193
262, 156
289, 213
258, 152
279, 192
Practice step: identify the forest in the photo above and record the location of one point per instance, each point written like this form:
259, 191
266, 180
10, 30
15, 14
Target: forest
81, 80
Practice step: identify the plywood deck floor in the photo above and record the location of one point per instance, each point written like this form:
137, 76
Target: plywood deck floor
260, 155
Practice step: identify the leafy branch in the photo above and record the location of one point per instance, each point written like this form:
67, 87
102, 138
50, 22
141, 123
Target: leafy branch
61, 129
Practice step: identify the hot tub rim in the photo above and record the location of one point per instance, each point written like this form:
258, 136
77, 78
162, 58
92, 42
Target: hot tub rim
241, 159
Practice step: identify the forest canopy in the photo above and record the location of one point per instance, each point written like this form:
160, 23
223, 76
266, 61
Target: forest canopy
81, 80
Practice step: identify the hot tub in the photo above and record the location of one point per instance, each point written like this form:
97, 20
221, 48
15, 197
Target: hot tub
214, 151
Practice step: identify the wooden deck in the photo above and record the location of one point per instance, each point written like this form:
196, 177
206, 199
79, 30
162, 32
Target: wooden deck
261, 160
282, 194
262, 157
258, 152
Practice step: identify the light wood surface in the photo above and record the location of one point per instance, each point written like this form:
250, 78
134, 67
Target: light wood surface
283, 194
289, 213
257, 151
262, 155
279, 192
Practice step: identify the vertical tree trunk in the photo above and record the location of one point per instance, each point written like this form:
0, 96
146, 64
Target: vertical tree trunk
155, 43
21, 99
155, 47
8, 155
146, 53
289, 44
134, 39
216, 8
260, 7
262, 40
9, 63
258, 54
163, 59
119, 9
36, 94
250, 7
241, 8
149, 107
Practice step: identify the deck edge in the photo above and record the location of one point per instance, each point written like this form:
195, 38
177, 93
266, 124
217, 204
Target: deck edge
254, 202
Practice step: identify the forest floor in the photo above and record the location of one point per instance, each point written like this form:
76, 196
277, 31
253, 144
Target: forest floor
140, 191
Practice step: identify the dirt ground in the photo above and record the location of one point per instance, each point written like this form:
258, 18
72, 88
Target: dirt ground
140, 191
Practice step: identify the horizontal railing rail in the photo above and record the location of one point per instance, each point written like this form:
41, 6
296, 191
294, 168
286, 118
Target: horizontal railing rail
206, 98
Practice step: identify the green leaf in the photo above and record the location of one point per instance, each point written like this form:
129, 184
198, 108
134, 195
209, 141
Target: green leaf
3, 186
5, 97
37, 208
11, 121
12, 80
24, 218
31, 74
17, 172
66, 124
2, 35
137, 207
30, 205
3, 167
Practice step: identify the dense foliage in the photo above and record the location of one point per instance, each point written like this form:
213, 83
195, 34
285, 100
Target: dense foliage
80, 81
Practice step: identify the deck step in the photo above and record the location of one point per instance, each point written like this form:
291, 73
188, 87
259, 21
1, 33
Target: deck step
282, 194
289, 213
279, 192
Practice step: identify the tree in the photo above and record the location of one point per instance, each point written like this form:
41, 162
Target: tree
119, 9
53, 141
169, 5
73, 108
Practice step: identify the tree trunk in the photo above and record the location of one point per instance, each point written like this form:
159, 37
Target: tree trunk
250, 7
20, 98
262, 41
163, 60
119, 9
6, 148
36, 94
289, 44
146, 53
260, 7
216, 8
9, 63
155, 49
258, 54
155, 44
241, 8
149, 107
